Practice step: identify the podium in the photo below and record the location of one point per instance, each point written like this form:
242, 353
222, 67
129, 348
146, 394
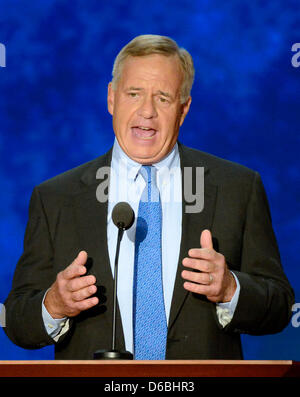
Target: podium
153, 369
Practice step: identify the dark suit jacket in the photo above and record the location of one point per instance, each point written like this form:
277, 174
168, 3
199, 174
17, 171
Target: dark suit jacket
65, 217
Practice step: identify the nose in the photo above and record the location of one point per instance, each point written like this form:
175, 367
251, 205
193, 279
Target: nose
147, 108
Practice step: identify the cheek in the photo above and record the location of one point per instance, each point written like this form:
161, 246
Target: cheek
126, 112
121, 117
170, 124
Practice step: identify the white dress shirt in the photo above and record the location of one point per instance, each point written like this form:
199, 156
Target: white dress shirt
126, 184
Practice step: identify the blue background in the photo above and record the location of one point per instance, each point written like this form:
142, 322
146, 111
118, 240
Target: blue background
245, 108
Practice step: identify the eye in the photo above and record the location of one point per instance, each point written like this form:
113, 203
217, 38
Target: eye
163, 100
133, 94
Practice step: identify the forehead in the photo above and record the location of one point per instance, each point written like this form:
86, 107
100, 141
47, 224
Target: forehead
153, 68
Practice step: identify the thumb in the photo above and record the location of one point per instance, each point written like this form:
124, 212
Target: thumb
81, 258
206, 239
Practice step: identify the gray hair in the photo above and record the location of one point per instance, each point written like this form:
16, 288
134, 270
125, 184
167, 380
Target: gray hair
154, 44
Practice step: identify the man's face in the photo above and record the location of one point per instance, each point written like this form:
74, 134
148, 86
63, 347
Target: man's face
146, 107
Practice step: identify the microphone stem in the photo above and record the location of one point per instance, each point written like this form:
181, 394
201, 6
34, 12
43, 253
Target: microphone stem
120, 235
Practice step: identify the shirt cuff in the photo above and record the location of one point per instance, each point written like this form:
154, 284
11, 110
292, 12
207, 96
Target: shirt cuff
225, 311
55, 327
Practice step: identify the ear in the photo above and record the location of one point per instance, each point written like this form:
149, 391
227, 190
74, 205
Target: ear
110, 99
184, 110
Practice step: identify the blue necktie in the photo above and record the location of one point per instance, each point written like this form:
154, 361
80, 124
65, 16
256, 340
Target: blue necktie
149, 316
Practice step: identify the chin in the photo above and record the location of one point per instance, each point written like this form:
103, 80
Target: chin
142, 155
143, 159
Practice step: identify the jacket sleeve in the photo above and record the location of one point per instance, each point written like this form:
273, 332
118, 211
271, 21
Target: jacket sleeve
33, 276
266, 297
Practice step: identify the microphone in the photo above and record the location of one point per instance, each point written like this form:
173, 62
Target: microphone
123, 218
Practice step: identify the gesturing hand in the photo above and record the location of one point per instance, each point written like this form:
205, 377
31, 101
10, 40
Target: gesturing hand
214, 280
70, 293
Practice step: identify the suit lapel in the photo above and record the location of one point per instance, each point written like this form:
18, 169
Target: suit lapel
91, 224
192, 224
91, 220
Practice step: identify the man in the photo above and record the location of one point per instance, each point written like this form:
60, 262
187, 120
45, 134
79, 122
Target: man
219, 267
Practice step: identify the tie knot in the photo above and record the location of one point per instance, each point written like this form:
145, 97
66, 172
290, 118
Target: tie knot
151, 191
148, 173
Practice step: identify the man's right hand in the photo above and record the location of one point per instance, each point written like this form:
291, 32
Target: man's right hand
71, 293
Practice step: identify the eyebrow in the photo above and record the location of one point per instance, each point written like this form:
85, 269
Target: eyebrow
166, 94
134, 89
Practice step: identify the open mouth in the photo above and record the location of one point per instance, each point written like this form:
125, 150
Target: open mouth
145, 133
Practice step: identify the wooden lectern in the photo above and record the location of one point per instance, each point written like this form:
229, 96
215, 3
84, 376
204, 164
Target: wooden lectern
144, 369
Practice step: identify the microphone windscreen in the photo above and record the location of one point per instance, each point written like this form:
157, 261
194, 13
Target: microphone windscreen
123, 215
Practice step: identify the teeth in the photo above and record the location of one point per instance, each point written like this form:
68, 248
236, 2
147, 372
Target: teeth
145, 128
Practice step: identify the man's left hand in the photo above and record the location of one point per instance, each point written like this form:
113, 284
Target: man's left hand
212, 277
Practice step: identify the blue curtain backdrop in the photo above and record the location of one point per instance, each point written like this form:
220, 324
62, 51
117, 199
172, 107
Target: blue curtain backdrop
245, 108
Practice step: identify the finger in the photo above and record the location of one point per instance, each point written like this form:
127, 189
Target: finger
200, 278
202, 253
87, 303
77, 267
206, 239
78, 283
84, 293
200, 289
210, 292
199, 264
